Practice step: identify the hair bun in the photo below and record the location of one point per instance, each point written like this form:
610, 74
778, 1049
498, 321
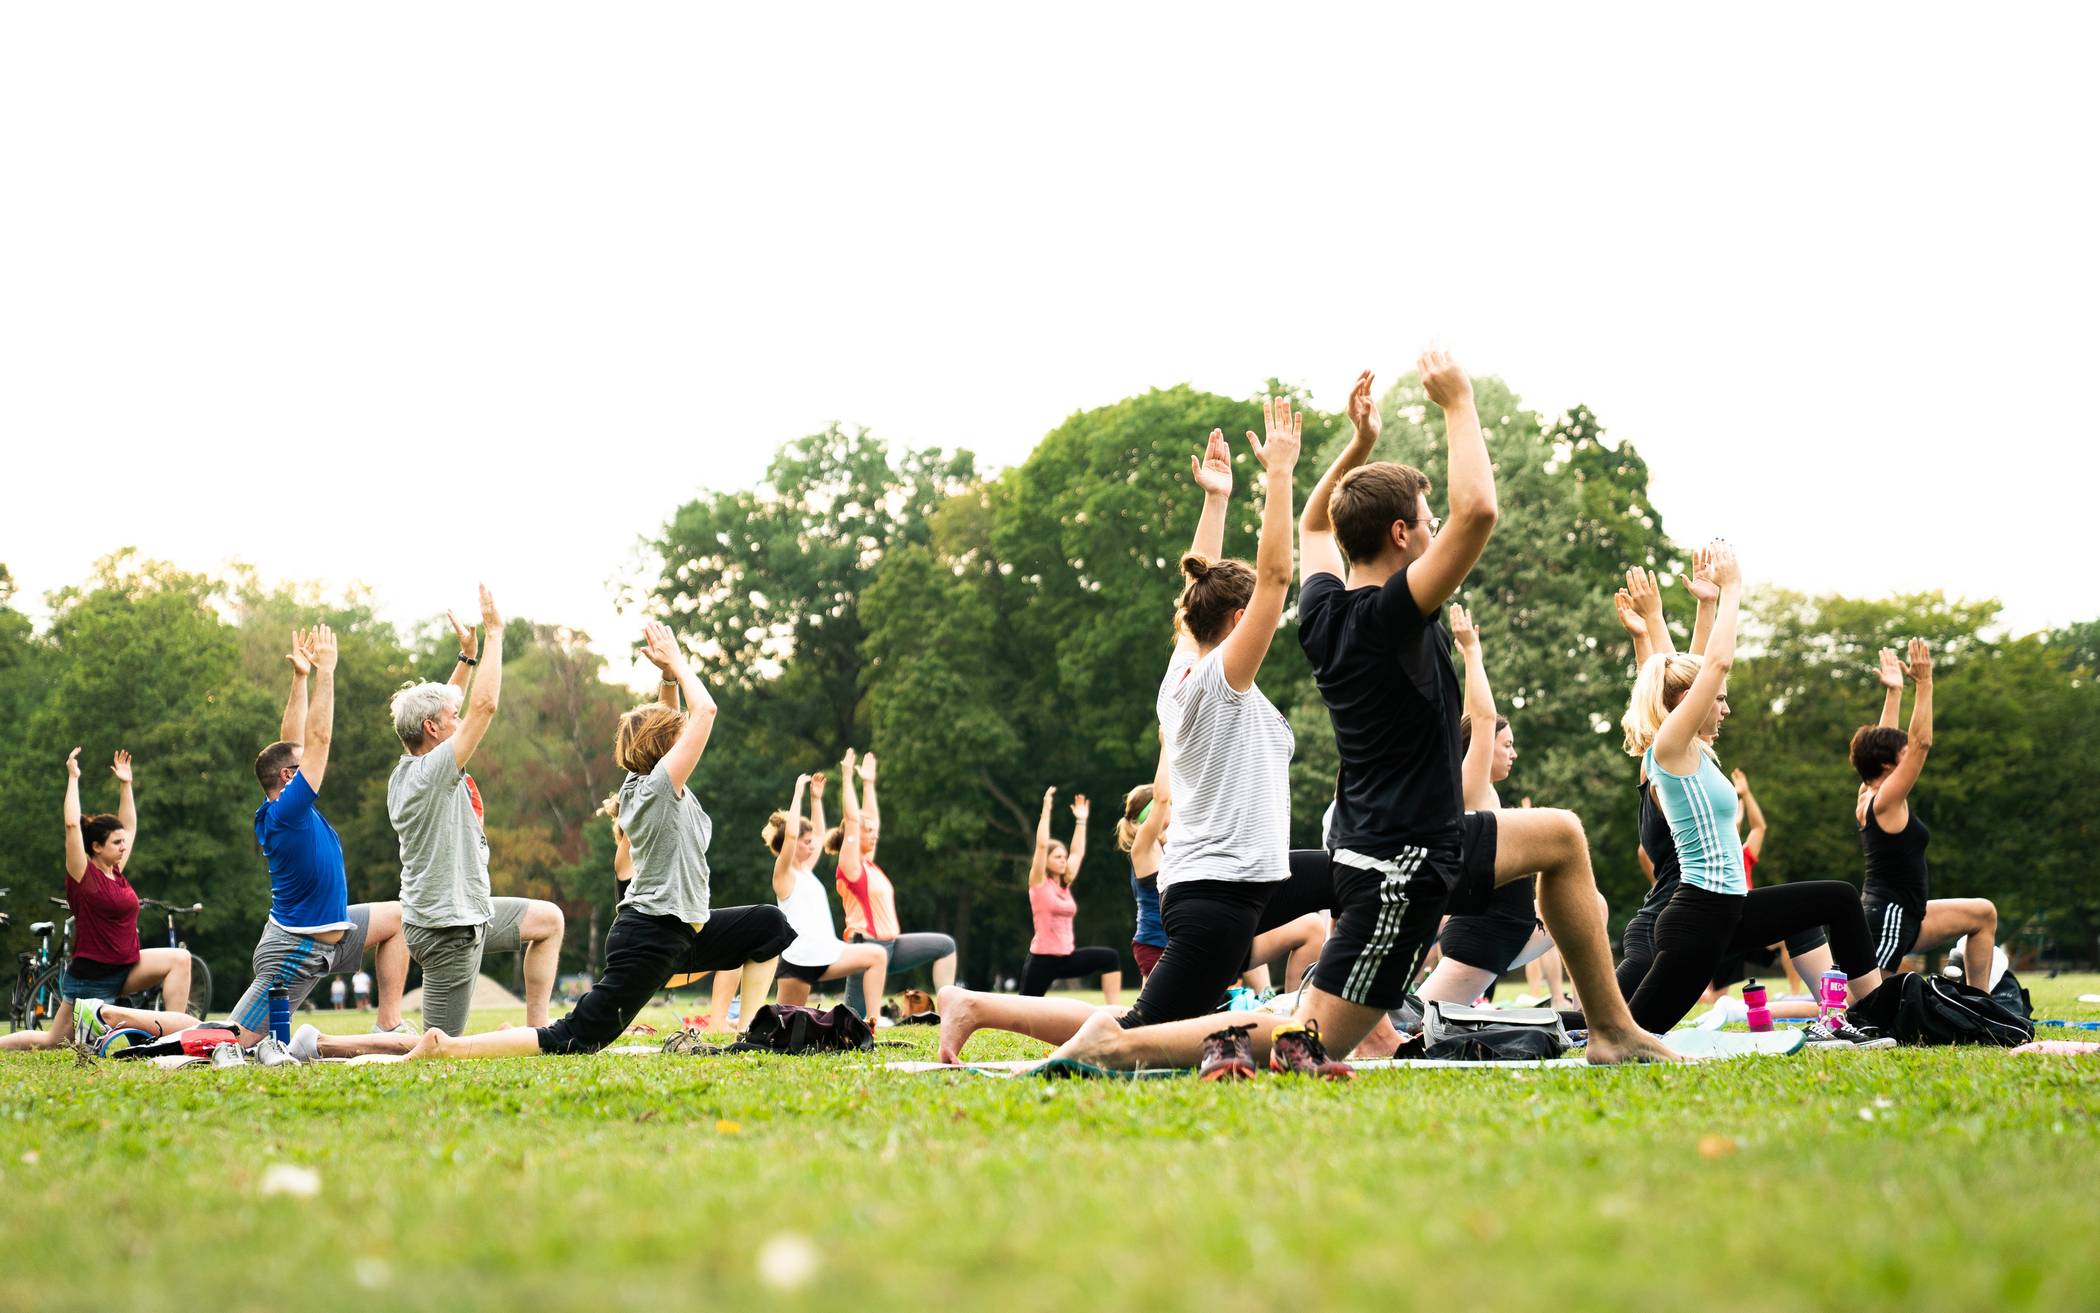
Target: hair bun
1195, 567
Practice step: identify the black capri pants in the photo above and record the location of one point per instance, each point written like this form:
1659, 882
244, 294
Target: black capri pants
643, 952
1211, 924
1042, 970
1698, 928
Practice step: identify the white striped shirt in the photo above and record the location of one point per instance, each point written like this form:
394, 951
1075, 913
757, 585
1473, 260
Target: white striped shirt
1228, 760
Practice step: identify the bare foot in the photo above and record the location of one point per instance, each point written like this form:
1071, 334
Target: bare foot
1384, 1041
958, 1022
432, 1045
1634, 1046
1094, 1041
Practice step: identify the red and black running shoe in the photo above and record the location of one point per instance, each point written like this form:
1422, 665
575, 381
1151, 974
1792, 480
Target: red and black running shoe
1227, 1055
1298, 1049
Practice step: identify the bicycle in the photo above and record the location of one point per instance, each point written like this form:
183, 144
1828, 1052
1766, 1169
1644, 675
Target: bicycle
36, 998
199, 1005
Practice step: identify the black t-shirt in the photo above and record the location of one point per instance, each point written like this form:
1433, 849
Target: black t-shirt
1392, 694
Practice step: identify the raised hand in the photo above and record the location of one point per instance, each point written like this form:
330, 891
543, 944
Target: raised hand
1889, 673
1081, 809
120, 766
1363, 410
1629, 614
1721, 562
1742, 782
1644, 590
1701, 582
1049, 796
817, 781
321, 648
1213, 469
302, 660
1920, 661
1463, 630
660, 646
491, 618
867, 766
73, 764
465, 633
1286, 433
1446, 384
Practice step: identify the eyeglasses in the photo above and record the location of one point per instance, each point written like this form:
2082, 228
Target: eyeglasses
1434, 522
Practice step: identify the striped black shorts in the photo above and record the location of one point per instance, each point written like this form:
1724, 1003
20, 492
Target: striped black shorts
1385, 920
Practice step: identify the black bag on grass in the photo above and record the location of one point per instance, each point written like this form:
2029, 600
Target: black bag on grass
2012, 996
1498, 1044
787, 1028
1928, 1010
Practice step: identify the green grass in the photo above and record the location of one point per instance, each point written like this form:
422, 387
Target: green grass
655, 1182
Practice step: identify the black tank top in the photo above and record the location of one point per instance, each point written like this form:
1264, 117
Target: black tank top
1661, 848
1895, 862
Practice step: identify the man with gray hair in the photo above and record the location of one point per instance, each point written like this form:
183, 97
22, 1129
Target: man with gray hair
447, 915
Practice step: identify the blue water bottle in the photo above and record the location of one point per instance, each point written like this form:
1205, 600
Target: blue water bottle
281, 1014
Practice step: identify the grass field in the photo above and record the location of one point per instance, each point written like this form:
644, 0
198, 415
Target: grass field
1918, 1179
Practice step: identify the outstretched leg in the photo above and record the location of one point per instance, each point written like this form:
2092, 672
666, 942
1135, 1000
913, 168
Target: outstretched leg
964, 1012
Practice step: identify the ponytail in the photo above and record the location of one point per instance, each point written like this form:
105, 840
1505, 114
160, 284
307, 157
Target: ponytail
1664, 680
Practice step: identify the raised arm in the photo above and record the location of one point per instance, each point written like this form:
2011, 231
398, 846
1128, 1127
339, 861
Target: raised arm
127, 807
784, 861
1890, 675
852, 874
1476, 770
1896, 792
320, 721
1647, 599
1677, 742
1243, 649
870, 809
1039, 865
661, 647
1318, 552
1700, 583
1636, 628
76, 843
818, 781
1754, 815
463, 665
293, 728
1438, 572
1149, 830
488, 686
1076, 852
1213, 473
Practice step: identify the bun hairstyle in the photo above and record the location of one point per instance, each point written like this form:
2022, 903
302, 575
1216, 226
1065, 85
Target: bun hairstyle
1665, 678
775, 831
1465, 730
96, 829
833, 839
1135, 804
1875, 749
1215, 589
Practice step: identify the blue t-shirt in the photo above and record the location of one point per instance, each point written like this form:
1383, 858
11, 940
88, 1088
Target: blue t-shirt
308, 893
1151, 931
1701, 808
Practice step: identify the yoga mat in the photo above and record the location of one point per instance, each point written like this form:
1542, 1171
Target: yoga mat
1729, 1044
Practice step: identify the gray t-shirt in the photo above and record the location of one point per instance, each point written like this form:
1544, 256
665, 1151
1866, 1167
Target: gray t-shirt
668, 832
444, 853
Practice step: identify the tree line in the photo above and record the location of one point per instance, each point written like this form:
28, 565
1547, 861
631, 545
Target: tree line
990, 635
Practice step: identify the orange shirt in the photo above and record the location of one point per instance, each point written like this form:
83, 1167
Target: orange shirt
870, 901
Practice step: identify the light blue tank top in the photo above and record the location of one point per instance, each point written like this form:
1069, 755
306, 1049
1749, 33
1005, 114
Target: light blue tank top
1701, 810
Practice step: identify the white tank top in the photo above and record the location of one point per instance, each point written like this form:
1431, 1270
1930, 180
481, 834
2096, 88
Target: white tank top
817, 942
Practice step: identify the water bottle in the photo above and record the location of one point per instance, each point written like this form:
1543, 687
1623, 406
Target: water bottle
281, 1014
736, 1007
1830, 992
1754, 1000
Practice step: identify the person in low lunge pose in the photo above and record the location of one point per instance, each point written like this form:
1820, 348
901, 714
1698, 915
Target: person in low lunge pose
817, 953
107, 960
869, 901
1381, 657
1899, 907
667, 926
1053, 954
1677, 708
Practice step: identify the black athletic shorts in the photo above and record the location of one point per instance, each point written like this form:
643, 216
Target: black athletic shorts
796, 971
1893, 929
1386, 918
1494, 939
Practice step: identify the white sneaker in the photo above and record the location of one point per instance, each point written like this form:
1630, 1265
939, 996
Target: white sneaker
270, 1053
883, 1023
306, 1044
398, 1028
1727, 1008
228, 1055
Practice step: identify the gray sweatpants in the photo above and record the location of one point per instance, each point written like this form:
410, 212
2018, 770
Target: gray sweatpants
906, 952
450, 956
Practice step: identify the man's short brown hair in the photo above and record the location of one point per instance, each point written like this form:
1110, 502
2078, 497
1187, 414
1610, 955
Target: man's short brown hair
1367, 501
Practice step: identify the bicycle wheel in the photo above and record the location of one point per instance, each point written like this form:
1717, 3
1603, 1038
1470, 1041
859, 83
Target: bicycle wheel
18, 1002
200, 989
44, 999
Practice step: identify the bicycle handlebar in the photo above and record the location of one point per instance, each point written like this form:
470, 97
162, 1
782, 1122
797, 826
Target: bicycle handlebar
60, 902
193, 908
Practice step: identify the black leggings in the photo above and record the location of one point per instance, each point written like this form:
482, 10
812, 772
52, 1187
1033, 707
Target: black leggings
642, 952
1037, 976
1210, 926
1698, 928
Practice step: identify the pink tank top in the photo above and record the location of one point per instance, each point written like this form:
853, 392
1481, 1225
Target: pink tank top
1053, 908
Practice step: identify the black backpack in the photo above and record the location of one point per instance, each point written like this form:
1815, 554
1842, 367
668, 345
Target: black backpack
786, 1028
1921, 1009
2012, 995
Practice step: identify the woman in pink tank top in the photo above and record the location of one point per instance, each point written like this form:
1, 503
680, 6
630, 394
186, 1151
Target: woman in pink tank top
1052, 954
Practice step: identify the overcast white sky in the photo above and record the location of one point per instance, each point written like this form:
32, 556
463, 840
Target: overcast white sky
417, 294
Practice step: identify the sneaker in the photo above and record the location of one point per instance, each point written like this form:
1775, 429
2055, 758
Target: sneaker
306, 1044
1298, 1049
88, 1026
1837, 1033
270, 1053
689, 1039
884, 1023
1227, 1055
228, 1055
398, 1028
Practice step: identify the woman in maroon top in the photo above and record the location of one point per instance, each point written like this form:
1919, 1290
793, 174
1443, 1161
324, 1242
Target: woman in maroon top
107, 960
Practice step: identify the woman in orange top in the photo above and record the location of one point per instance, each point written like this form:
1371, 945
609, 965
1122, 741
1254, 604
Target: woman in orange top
870, 901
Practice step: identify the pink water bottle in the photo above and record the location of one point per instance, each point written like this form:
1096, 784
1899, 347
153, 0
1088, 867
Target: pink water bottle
1754, 999
1830, 992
